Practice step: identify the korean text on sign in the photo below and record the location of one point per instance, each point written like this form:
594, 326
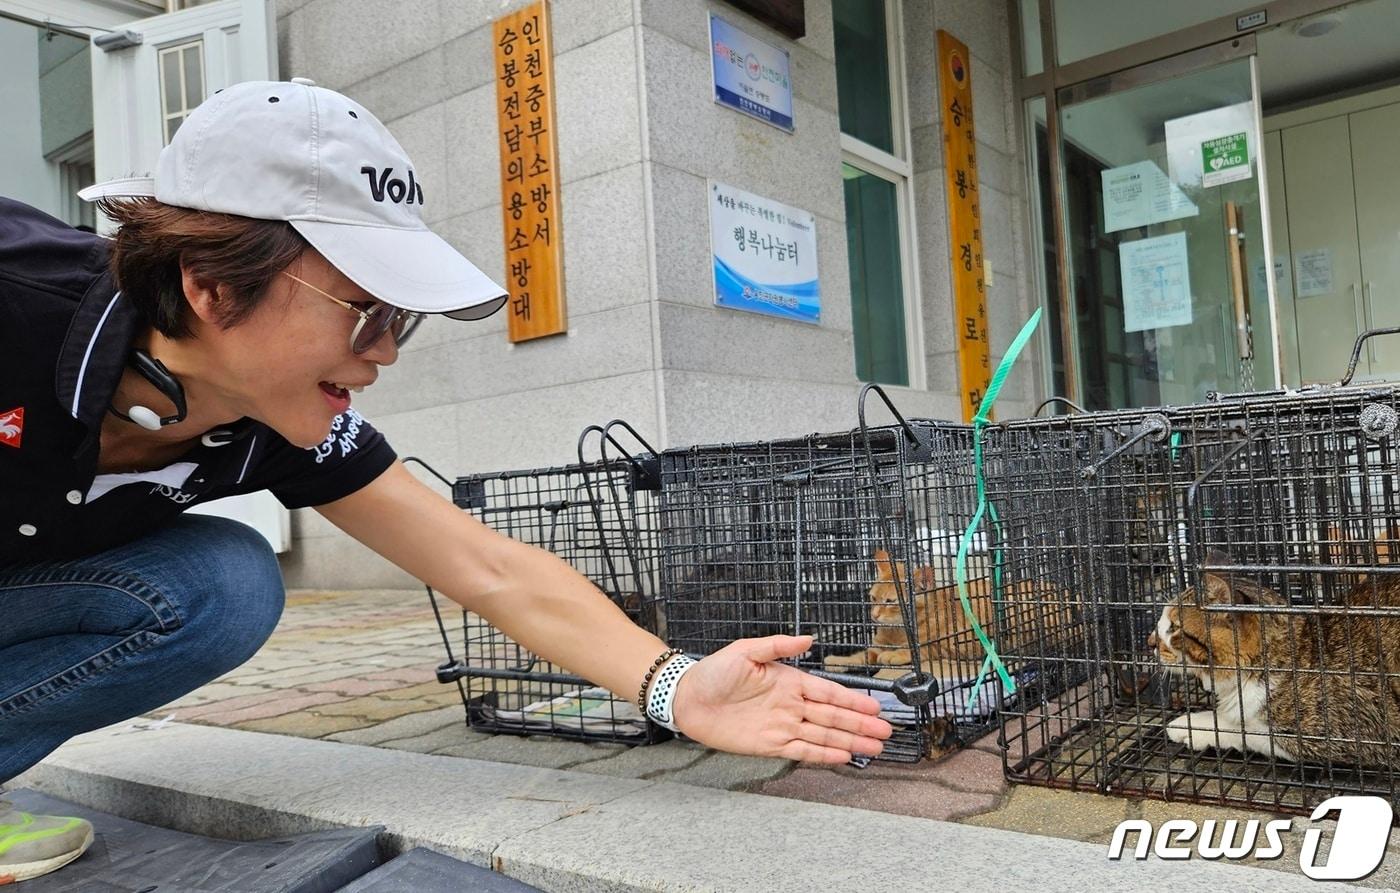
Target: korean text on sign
529, 174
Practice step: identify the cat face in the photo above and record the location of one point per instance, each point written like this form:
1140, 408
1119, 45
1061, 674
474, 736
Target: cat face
884, 595
1192, 639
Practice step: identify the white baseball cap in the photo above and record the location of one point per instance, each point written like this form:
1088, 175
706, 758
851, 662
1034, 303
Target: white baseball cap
293, 151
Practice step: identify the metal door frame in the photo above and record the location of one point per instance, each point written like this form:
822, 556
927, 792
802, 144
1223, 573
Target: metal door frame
1170, 55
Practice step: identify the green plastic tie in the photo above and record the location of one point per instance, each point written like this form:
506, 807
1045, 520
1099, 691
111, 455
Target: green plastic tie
980, 421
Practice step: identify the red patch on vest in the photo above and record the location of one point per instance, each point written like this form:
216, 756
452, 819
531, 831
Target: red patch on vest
12, 427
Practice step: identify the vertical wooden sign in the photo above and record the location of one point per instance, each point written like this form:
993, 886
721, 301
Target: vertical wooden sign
964, 222
529, 173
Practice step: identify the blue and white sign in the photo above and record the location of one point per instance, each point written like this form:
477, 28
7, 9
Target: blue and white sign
750, 75
765, 255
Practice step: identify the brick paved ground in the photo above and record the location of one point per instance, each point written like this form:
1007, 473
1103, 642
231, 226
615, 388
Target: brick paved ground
359, 667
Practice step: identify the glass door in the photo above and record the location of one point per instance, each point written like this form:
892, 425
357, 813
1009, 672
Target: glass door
1162, 170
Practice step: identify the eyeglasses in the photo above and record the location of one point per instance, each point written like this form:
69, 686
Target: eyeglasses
375, 323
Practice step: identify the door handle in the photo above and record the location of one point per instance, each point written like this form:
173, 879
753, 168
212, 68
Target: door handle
1239, 288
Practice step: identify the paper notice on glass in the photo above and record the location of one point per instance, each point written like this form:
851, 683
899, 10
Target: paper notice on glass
1139, 194
1314, 274
1156, 283
1283, 278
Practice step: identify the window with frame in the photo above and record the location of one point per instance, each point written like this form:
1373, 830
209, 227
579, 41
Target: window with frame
181, 84
876, 174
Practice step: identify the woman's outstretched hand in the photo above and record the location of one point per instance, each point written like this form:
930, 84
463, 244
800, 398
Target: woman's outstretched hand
740, 700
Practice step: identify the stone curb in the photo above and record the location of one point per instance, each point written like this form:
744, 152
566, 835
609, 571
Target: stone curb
566, 831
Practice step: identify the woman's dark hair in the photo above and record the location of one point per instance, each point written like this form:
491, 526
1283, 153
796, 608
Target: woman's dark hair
242, 254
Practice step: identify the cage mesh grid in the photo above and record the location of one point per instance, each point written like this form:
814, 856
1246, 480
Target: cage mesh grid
852, 538
777, 537
1265, 522
588, 515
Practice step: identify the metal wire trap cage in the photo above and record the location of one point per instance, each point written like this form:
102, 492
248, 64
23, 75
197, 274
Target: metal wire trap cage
952, 584
777, 537
590, 515
1089, 520
963, 606
1235, 559
851, 537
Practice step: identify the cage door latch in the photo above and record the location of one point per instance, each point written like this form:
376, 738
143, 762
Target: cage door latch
1378, 421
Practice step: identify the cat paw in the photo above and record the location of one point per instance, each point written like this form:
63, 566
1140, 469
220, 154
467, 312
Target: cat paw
1177, 731
844, 661
1196, 730
1205, 739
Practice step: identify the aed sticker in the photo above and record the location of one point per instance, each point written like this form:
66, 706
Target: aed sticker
1225, 159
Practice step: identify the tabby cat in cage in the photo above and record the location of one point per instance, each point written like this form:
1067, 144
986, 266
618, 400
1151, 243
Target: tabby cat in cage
1303, 687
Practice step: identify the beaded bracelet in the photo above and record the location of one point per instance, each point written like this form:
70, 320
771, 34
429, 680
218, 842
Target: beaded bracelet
646, 681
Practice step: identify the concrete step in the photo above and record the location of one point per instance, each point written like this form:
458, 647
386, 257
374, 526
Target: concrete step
127, 855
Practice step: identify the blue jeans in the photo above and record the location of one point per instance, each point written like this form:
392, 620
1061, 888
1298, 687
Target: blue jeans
93, 641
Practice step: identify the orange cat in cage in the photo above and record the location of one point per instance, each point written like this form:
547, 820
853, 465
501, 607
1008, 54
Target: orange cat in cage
934, 608
948, 646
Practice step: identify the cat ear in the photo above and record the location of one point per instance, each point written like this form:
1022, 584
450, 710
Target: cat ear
884, 568
1250, 593
1217, 588
1218, 558
924, 578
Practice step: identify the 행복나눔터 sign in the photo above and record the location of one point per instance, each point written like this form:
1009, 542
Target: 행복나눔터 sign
765, 255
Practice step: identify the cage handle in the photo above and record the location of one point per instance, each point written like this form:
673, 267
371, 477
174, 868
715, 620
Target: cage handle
645, 475
595, 504
607, 432
860, 409
1063, 400
640, 470
1356, 350
453, 670
885, 519
915, 689
428, 468
1154, 426
583, 440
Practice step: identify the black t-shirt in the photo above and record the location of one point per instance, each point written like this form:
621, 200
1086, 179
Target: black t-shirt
65, 333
